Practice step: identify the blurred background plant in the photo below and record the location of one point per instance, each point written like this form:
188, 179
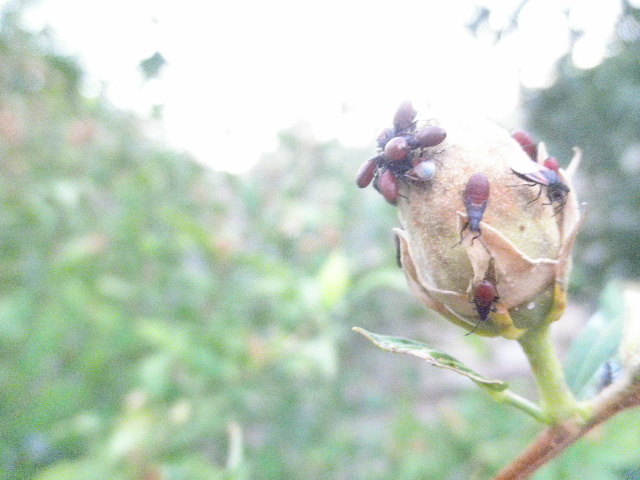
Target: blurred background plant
159, 320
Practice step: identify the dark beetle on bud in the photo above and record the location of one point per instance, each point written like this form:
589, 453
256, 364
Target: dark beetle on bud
485, 295
475, 198
536, 174
547, 175
557, 190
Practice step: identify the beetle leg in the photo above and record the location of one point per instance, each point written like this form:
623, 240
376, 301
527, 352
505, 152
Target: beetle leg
461, 236
474, 328
539, 193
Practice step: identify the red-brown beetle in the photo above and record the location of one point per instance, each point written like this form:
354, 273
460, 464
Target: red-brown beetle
367, 171
527, 143
552, 164
427, 137
485, 295
396, 149
387, 184
404, 118
384, 136
475, 197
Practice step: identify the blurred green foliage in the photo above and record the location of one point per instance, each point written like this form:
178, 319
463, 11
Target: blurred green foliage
162, 321
599, 111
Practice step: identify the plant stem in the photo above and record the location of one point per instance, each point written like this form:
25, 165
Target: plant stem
508, 397
556, 400
555, 439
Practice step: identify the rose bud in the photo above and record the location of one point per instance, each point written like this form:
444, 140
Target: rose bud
525, 243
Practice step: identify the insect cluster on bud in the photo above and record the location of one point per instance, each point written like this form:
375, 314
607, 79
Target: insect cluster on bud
402, 155
519, 245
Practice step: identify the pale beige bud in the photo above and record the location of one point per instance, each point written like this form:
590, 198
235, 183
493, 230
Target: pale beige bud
525, 243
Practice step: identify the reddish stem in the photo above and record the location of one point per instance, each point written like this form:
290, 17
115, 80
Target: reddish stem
554, 440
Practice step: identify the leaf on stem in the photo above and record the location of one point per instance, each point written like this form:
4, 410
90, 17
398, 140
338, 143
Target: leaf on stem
432, 355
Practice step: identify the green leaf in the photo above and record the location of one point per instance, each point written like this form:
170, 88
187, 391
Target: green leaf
431, 355
598, 341
334, 278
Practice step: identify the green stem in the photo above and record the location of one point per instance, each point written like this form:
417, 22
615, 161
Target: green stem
510, 398
556, 400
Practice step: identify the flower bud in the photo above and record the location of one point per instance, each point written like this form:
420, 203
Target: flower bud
515, 234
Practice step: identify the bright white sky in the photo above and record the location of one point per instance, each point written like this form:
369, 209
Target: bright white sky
239, 72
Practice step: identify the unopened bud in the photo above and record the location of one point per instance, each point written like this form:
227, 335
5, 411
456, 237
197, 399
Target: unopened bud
476, 222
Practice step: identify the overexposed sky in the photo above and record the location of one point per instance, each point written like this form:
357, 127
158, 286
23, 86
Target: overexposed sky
239, 72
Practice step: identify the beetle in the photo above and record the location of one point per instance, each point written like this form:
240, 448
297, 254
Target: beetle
552, 164
557, 190
536, 174
427, 137
475, 198
367, 171
527, 143
485, 295
396, 149
384, 136
404, 118
387, 184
